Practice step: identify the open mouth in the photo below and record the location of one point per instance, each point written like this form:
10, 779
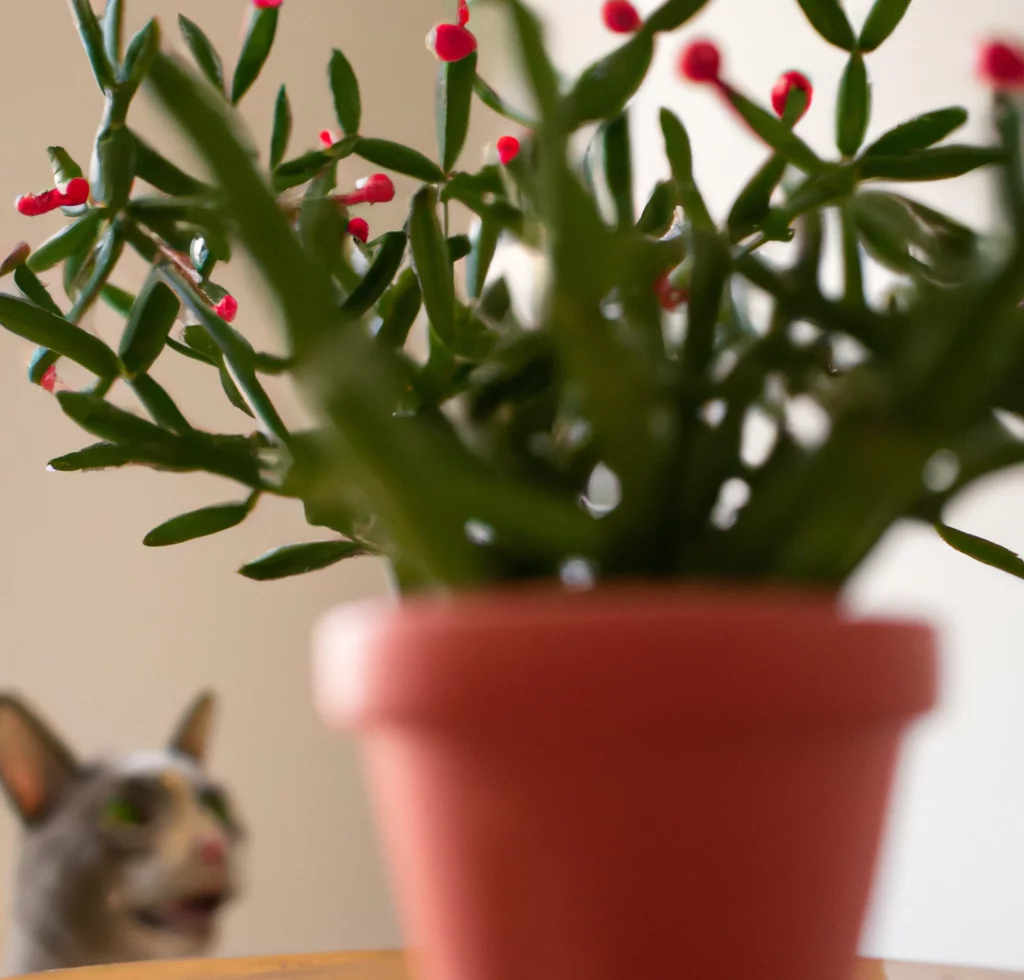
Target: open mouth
192, 914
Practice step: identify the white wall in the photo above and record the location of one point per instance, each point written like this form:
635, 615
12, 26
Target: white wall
953, 883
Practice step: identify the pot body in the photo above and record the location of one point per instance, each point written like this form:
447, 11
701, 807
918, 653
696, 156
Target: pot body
628, 783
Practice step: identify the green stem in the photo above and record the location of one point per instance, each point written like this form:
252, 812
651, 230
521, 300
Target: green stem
102, 387
879, 333
852, 262
110, 254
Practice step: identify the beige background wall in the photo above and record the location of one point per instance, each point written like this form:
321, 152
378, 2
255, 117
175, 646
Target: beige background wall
111, 639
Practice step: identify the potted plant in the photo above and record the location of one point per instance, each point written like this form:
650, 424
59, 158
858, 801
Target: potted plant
624, 727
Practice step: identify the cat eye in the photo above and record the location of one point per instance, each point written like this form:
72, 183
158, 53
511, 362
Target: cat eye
133, 804
122, 812
215, 802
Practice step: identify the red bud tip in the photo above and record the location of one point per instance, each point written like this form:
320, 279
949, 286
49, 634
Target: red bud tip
27, 205
451, 42
76, 193
669, 297
327, 139
787, 83
49, 380
227, 308
508, 149
463, 16
621, 17
1001, 65
379, 189
34, 205
266, 4
376, 189
701, 62
358, 228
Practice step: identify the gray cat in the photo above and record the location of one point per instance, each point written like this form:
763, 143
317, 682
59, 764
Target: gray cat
128, 859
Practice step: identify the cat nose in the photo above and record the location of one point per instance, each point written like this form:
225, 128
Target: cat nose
213, 851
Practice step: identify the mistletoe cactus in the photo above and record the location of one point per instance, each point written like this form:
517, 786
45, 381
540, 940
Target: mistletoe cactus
608, 433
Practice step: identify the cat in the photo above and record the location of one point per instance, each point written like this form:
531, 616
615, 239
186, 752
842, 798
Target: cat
122, 860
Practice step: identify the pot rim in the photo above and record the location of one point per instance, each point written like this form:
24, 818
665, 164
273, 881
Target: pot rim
617, 655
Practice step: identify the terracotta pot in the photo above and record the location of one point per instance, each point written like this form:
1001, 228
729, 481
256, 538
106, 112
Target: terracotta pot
628, 784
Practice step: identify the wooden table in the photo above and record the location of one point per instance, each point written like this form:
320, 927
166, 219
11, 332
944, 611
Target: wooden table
315, 966
392, 966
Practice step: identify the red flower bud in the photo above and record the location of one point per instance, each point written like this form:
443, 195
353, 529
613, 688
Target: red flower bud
227, 308
701, 62
669, 297
379, 189
76, 193
266, 4
508, 149
49, 380
358, 228
787, 83
33, 205
621, 17
1001, 65
463, 16
376, 189
327, 139
451, 42
28, 205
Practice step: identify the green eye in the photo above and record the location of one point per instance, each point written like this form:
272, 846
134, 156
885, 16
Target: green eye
217, 805
123, 813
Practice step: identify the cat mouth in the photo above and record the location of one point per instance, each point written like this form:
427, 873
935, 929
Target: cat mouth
192, 914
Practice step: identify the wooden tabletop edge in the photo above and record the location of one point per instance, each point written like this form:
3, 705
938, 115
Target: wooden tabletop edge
393, 965
371, 965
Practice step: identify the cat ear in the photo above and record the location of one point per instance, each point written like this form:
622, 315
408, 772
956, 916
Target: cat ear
193, 731
35, 765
